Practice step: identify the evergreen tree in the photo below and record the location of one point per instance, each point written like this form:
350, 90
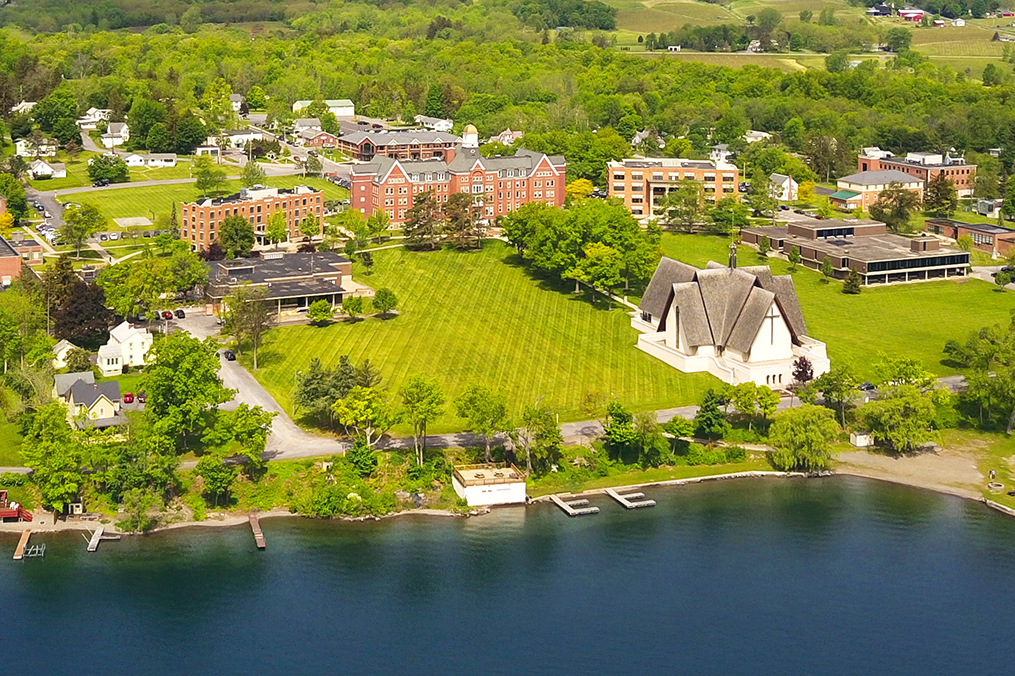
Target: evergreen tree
852, 283
941, 198
422, 223
434, 101
826, 269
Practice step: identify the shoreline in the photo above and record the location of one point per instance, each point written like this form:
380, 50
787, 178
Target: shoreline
234, 520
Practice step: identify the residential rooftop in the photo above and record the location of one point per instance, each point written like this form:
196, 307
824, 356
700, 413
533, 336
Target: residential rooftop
880, 177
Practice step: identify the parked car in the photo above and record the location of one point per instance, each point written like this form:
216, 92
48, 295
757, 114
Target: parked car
166, 314
229, 355
783, 207
1008, 268
103, 237
141, 397
867, 387
800, 211
101, 182
128, 398
180, 314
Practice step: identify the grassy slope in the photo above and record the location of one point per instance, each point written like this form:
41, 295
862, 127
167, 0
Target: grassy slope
10, 444
909, 319
479, 317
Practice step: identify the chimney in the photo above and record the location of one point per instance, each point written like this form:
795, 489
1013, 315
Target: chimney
733, 255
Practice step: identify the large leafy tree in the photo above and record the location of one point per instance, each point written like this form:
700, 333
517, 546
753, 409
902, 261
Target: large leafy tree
900, 417
139, 286
14, 193
894, 206
60, 105
110, 168
423, 402
236, 235
422, 224
249, 316
144, 114
941, 198
366, 412
485, 413
803, 437
54, 455
462, 213
83, 317
540, 437
209, 177
682, 206
80, 223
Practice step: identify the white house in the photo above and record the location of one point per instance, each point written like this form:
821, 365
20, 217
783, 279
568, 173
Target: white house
116, 134
489, 484
720, 153
239, 138
434, 123
958, 23
752, 136
127, 346
23, 107
41, 169
236, 100
60, 351
92, 117
134, 160
161, 160
305, 123
784, 188
25, 148
507, 137
207, 149
739, 324
337, 107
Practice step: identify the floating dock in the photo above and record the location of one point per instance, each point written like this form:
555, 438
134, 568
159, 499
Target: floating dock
630, 500
255, 526
19, 552
574, 507
97, 537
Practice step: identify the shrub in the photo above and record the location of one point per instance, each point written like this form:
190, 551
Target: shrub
700, 455
13, 479
735, 454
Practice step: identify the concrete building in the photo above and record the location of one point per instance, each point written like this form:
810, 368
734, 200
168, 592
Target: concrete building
199, 219
403, 145
922, 166
489, 484
313, 138
879, 257
739, 324
862, 189
505, 183
640, 183
993, 239
294, 281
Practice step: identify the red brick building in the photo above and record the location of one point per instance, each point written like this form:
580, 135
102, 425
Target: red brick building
200, 220
313, 138
923, 166
986, 236
403, 145
10, 263
506, 183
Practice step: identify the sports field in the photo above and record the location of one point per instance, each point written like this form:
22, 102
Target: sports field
906, 319
481, 318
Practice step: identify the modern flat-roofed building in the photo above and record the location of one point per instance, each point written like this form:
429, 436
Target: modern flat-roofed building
640, 183
200, 220
10, 263
986, 236
402, 145
862, 189
489, 484
294, 281
864, 245
923, 166
504, 183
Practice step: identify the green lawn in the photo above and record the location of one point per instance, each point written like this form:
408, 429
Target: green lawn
905, 319
10, 444
480, 317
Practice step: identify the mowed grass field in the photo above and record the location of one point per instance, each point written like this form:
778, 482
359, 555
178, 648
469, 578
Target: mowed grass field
141, 201
902, 320
480, 317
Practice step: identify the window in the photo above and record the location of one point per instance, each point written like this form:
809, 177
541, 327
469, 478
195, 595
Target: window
618, 187
476, 188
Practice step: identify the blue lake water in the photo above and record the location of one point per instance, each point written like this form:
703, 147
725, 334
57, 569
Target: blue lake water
830, 576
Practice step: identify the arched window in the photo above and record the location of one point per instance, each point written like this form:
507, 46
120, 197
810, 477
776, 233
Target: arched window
768, 380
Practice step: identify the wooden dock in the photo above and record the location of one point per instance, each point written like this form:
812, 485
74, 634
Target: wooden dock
255, 526
574, 507
19, 552
630, 500
93, 544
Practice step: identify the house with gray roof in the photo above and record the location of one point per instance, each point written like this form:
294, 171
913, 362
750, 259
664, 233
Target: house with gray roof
862, 189
95, 404
739, 324
62, 383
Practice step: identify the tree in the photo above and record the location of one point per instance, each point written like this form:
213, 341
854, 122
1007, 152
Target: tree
190, 133
319, 312
366, 259
852, 285
461, 226
384, 301
826, 270
619, 432
578, 189
485, 412
352, 306
362, 457
159, 139
540, 437
209, 177
992, 75
256, 98
710, 419
83, 317
601, 266
312, 166
941, 198
310, 226
965, 242
825, 209
728, 215
682, 206
837, 385
837, 61
768, 19
366, 412
59, 105
434, 106
423, 401
54, 455
901, 416
66, 131
187, 268
803, 370
80, 223
58, 279
794, 257
893, 371
110, 168
14, 193
249, 315
77, 360
802, 438
805, 15
277, 230
252, 175
898, 39
764, 246
236, 235
1002, 279
377, 224
805, 192
218, 477
894, 206
249, 427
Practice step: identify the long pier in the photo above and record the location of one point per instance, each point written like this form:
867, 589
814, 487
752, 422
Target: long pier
19, 552
630, 500
255, 526
574, 507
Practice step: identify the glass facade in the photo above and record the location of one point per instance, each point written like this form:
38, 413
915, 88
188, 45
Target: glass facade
912, 263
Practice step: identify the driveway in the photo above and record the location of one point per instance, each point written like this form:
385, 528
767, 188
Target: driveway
49, 201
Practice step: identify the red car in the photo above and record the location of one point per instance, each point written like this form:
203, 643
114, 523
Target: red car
167, 315
128, 398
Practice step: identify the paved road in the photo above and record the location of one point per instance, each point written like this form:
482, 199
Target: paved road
49, 201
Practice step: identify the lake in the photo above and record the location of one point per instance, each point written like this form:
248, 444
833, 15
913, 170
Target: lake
832, 576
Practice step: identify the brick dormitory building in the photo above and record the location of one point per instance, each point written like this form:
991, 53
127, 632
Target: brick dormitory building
502, 183
200, 220
923, 166
642, 182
